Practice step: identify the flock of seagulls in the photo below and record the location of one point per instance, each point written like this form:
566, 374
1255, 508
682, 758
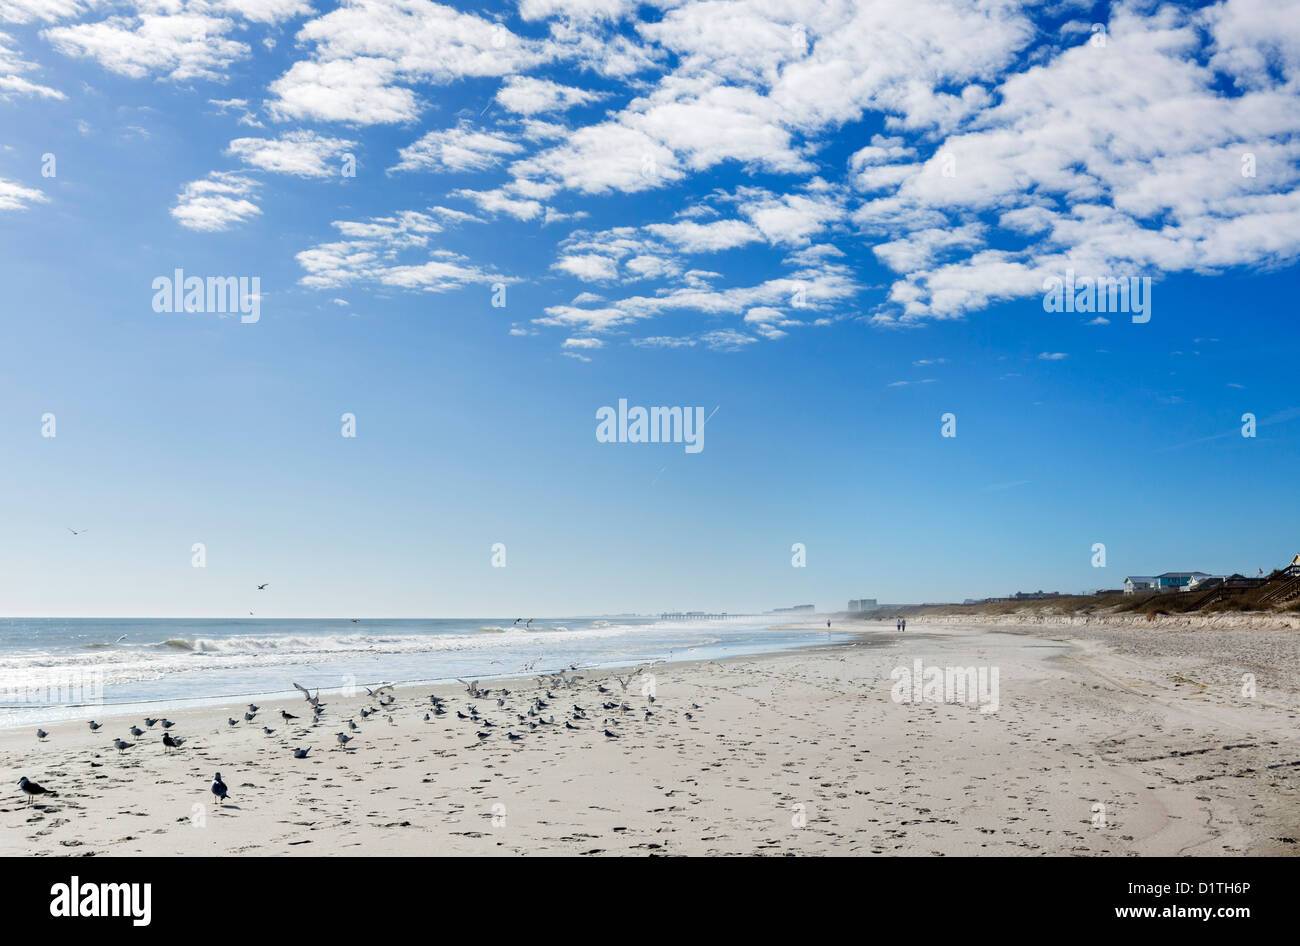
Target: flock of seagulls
518, 714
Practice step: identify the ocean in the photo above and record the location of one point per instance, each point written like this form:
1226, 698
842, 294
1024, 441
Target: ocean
73, 668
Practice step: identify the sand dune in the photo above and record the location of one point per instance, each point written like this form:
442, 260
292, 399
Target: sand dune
803, 753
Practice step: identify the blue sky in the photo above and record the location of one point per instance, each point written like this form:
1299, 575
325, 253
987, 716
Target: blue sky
830, 222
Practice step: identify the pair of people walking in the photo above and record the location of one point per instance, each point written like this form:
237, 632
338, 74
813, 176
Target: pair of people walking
901, 624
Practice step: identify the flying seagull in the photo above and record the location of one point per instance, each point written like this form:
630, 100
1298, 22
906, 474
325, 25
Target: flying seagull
262, 586
219, 789
76, 531
32, 789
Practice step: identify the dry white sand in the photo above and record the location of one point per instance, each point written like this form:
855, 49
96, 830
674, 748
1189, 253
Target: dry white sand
803, 752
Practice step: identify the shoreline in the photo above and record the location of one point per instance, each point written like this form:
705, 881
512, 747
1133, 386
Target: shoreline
57, 713
797, 752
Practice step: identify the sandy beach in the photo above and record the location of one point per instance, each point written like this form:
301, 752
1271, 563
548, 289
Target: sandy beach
1106, 740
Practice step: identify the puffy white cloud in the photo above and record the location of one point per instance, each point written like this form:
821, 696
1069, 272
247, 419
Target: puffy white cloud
457, 149
177, 46
368, 53
216, 202
357, 90
527, 95
691, 237
301, 153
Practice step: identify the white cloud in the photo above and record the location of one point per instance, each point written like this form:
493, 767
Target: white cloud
12, 84
691, 237
347, 90
374, 252
302, 153
498, 201
216, 202
527, 95
456, 149
177, 46
25, 11
14, 196
367, 54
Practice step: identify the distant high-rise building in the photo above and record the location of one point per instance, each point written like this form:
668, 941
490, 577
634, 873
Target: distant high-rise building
862, 604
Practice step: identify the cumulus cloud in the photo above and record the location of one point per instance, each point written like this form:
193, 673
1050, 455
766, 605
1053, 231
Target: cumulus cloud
301, 153
456, 149
217, 202
527, 95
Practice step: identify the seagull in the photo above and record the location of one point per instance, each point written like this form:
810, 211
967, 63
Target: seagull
253, 707
32, 789
353, 726
94, 725
137, 731
513, 738
219, 789
262, 587
344, 739
149, 722
77, 532
232, 721
301, 753
482, 735
569, 725
122, 744
171, 742
268, 730
167, 723
41, 734
611, 735
249, 716
287, 715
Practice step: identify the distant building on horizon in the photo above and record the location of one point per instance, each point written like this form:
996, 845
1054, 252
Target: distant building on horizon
862, 604
1171, 581
797, 607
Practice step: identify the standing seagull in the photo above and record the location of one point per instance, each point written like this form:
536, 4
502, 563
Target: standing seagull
171, 742
94, 725
344, 739
301, 753
219, 789
122, 744
32, 789
287, 715
41, 734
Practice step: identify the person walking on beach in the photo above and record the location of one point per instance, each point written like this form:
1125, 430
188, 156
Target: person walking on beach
898, 624
903, 622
